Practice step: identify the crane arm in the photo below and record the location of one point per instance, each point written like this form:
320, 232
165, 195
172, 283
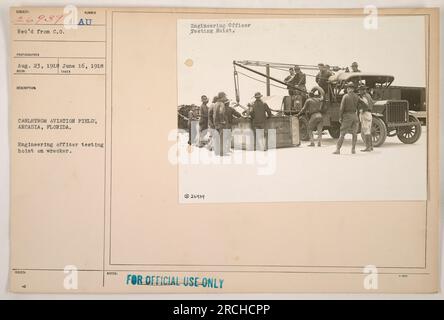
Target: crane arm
235, 63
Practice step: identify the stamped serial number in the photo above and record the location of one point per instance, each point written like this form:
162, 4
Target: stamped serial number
194, 196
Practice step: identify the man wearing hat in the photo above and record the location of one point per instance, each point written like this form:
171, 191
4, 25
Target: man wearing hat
365, 106
312, 107
259, 112
348, 118
355, 67
222, 115
230, 115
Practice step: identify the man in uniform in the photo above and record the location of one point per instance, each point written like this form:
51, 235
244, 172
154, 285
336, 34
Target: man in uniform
312, 107
348, 118
296, 79
291, 82
193, 123
300, 79
365, 106
211, 143
322, 77
222, 115
218, 116
259, 112
203, 121
230, 114
355, 67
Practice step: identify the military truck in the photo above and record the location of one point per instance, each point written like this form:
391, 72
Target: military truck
391, 117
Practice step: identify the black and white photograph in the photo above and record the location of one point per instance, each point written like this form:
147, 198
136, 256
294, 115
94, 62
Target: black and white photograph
306, 109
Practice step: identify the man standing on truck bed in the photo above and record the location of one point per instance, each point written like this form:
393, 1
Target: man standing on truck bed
322, 78
296, 79
217, 115
348, 118
193, 124
300, 79
259, 112
365, 106
290, 80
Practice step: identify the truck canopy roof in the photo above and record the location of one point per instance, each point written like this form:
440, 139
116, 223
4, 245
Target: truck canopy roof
358, 76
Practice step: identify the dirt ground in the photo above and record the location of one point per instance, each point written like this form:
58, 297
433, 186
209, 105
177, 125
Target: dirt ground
394, 171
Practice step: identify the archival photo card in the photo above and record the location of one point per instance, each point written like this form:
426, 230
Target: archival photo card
197, 150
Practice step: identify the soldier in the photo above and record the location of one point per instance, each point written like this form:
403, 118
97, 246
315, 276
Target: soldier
230, 115
354, 67
312, 107
322, 77
203, 121
218, 116
348, 118
223, 116
365, 106
300, 79
259, 112
193, 123
329, 69
296, 79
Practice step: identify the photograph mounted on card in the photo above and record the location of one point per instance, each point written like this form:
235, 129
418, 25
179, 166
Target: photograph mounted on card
304, 109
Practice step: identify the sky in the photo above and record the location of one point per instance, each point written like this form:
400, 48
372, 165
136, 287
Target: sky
396, 47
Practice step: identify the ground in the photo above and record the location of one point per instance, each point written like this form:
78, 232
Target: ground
394, 171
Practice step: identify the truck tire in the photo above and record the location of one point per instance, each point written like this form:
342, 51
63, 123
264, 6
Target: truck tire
379, 132
410, 134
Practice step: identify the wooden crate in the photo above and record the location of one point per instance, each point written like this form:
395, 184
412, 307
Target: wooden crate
287, 132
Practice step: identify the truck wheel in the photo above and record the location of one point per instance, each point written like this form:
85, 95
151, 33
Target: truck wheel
334, 131
410, 134
379, 132
303, 129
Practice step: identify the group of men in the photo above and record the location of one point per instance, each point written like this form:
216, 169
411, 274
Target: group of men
216, 121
